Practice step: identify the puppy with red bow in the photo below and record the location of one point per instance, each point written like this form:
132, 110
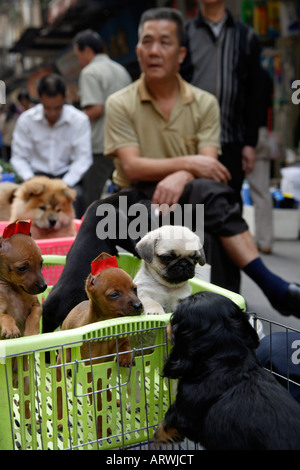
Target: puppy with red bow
21, 280
111, 294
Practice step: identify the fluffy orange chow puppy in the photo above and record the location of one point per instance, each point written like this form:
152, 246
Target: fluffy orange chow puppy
49, 204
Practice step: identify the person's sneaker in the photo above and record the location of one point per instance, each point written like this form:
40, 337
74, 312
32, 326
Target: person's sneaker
291, 302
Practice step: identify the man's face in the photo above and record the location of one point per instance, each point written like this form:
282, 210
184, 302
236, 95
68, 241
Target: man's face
158, 49
53, 106
83, 56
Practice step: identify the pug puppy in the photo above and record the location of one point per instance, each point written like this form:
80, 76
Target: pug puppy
169, 254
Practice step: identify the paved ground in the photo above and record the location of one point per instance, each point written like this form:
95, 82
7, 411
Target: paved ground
285, 261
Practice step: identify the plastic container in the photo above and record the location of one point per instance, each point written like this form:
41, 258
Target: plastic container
52, 246
246, 195
52, 269
133, 401
9, 177
290, 182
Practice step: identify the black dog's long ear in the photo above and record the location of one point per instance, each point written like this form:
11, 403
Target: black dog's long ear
177, 365
180, 362
245, 331
207, 325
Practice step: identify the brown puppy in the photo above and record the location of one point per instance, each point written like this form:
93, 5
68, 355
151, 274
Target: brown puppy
112, 294
49, 204
21, 280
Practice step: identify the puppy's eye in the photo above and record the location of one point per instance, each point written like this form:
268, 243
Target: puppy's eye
22, 269
58, 209
114, 295
134, 289
166, 258
42, 208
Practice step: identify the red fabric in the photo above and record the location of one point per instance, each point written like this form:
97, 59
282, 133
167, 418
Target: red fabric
20, 226
98, 265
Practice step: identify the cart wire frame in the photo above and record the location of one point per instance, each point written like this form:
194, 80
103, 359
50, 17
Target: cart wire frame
104, 406
269, 328
133, 400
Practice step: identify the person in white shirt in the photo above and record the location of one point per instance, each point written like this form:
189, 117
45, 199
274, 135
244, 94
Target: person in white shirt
99, 78
53, 139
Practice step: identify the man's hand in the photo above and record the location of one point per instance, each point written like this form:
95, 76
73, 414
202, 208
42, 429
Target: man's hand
202, 166
248, 159
169, 189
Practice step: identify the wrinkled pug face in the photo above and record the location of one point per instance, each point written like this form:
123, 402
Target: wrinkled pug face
173, 252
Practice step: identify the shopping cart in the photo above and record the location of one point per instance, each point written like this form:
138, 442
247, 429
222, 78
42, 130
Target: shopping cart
104, 406
133, 400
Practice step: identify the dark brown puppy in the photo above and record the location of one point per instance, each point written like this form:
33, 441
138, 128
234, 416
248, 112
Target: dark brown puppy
111, 294
21, 280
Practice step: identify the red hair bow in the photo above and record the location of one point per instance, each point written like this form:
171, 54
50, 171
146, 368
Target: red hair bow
99, 264
20, 226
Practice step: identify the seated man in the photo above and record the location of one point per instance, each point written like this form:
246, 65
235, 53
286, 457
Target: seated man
53, 139
163, 134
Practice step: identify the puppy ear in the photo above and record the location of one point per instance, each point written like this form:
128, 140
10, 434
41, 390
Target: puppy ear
29, 188
90, 283
102, 256
145, 248
69, 193
201, 257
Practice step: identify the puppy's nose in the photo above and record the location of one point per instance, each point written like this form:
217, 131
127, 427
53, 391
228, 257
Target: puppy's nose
42, 286
52, 222
138, 307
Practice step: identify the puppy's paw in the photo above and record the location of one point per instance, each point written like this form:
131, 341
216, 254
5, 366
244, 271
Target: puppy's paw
170, 436
125, 360
10, 332
152, 307
155, 311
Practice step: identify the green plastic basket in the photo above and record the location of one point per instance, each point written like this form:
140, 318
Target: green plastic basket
138, 396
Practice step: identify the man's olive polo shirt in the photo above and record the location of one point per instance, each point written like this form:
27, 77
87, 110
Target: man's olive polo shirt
134, 119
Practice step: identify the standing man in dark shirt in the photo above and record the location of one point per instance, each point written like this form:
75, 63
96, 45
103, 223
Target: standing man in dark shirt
223, 58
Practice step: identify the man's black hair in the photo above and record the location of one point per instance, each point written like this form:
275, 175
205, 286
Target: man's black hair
89, 38
169, 14
51, 85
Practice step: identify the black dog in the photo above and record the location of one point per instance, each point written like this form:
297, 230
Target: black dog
225, 399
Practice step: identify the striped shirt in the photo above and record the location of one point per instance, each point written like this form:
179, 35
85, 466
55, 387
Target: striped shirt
228, 67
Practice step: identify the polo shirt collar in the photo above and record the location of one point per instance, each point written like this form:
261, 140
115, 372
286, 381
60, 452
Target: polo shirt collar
186, 93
